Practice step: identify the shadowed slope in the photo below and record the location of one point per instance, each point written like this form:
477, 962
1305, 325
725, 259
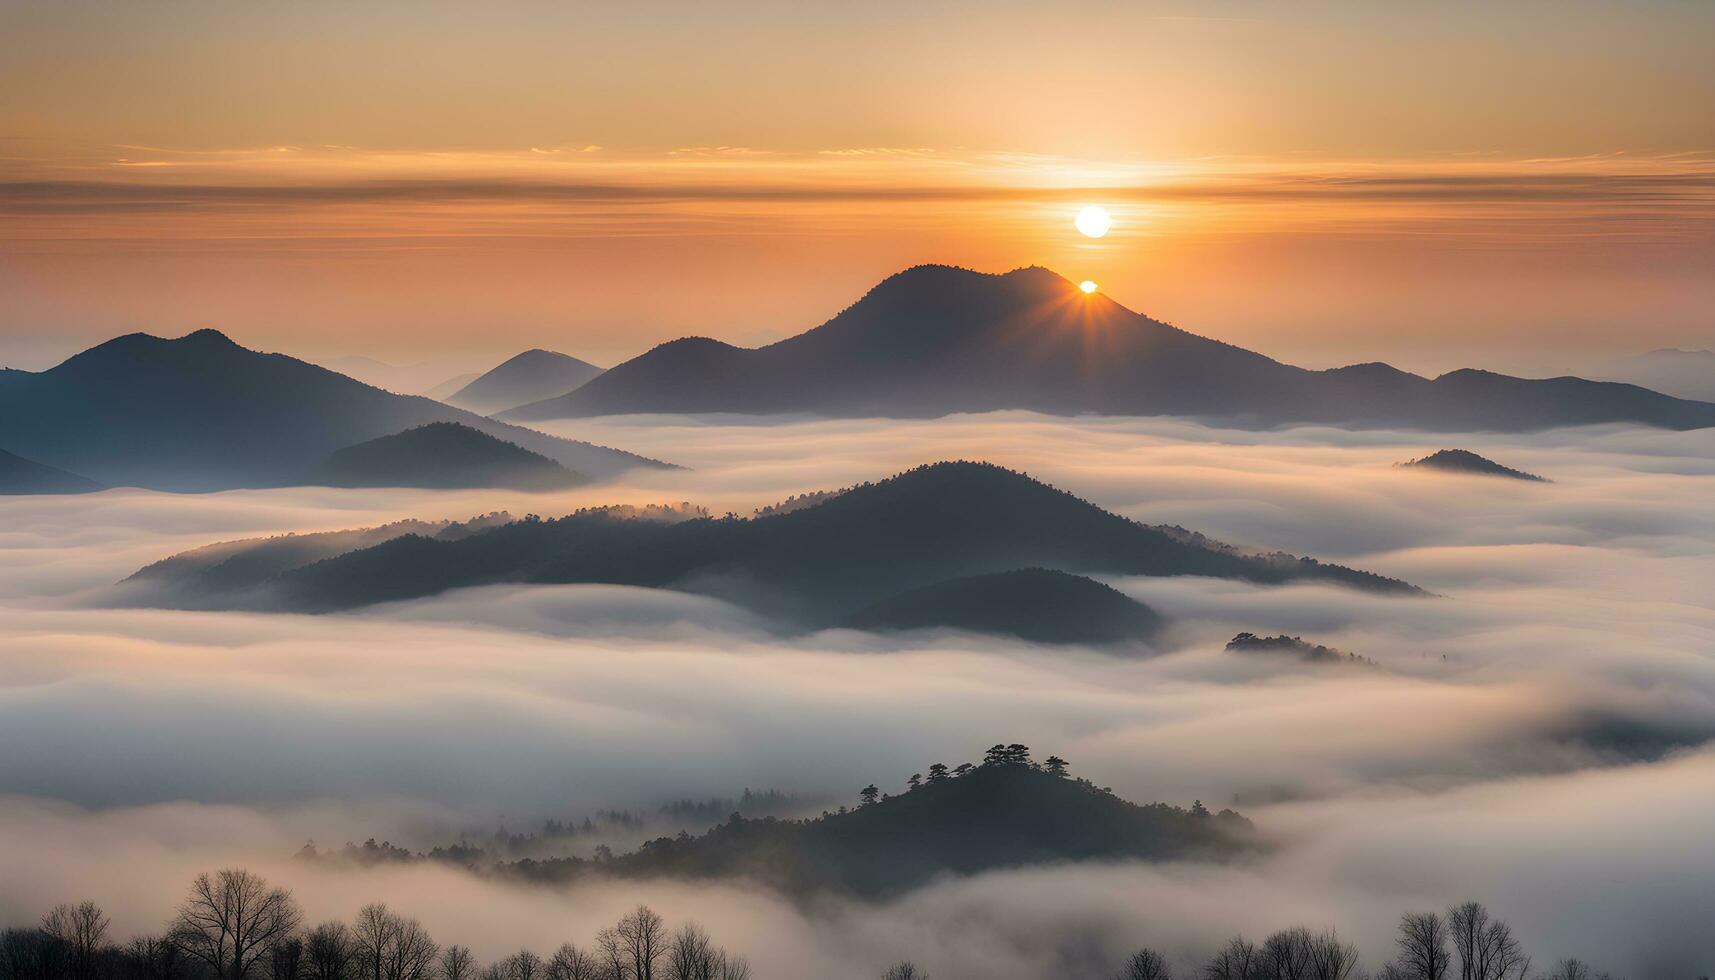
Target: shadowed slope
935, 340
441, 456
528, 377
202, 413
1033, 604
24, 476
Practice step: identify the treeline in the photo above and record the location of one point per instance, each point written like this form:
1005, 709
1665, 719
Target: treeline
1465, 943
235, 926
473, 850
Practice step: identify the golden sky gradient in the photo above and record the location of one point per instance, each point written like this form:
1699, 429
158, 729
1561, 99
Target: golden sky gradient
1436, 184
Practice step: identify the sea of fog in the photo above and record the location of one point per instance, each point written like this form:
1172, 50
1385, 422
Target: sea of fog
1537, 736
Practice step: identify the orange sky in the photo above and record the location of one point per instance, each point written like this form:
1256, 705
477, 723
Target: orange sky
1326, 182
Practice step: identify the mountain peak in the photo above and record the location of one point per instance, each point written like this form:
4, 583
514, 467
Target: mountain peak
207, 335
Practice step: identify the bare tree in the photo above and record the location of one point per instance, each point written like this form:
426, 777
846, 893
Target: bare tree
1486, 947
1574, 970
1237, 960
372, 937
457, 964
734, 968
154, 958
82, 930
231, 919
571, 963
1423, 946
691, 956
524, 965
330, 952
1145, 964
1331, 959
904, 970
610, 952
412, 954
1286, 955
286, 959
644, 938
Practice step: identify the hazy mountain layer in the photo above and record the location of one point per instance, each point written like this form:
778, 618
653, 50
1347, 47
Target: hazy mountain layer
528, 377
441, 455
202, 413
1683, 373
816, 565
935, 340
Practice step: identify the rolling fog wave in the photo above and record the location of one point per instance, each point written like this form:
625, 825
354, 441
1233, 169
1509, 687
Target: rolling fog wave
1536, 737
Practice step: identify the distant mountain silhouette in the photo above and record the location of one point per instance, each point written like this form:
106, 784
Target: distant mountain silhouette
1035, 604
992, 817
20, 476
446, 389
440, 456
819, 564
1294, 647
529, 377
202, 413
1685, 373
934, 340
1465, 461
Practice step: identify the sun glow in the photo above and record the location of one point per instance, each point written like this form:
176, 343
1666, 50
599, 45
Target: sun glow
1087, 286
1093, 221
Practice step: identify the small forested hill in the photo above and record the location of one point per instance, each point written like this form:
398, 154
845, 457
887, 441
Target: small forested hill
1035, 604
1465, 461
933, 340
528, 377
994, 816
20, 476
441, 455
202, 575
822, 563
199, 413
1293, 647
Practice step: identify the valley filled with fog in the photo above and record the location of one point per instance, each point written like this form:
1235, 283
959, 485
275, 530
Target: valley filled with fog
1538, 733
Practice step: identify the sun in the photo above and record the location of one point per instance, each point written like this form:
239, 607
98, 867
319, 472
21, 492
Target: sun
1087, 286
1093, 221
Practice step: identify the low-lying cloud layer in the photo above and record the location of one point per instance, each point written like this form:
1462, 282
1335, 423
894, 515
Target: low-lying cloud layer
1530, 738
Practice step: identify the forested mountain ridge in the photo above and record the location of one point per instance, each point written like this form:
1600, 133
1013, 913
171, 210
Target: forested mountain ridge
818, 564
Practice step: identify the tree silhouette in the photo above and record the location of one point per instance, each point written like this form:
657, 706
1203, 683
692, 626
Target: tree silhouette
1055, 766
643, 937
230, 921
1237, 960
937, 772
457, 963
1486, 947
1145, 964
329, 951
1422, 946
81, 930
868, 795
